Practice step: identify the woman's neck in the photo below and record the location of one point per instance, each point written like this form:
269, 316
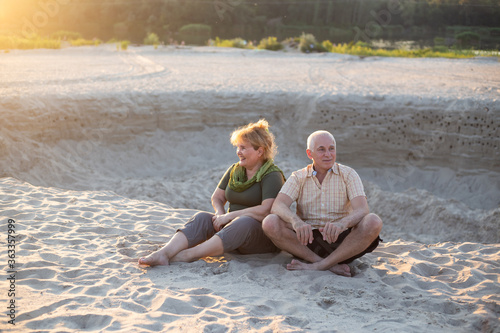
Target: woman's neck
253, 170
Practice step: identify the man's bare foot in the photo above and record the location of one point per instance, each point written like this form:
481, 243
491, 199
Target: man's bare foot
155, 259
343, 270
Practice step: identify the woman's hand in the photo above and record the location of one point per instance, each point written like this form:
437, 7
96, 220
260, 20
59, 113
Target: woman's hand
220, 220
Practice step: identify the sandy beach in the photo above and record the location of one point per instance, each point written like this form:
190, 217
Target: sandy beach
105, 153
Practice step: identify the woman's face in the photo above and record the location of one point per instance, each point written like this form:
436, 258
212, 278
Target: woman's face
248, 155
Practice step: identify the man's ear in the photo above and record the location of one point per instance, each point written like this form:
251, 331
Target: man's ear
261, 151
308, 151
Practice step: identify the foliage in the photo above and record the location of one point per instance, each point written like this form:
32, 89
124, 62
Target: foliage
438, 41
440, 49
339, 21
66, 35
327, 45
361, 50
309, 44
152, 39
340, 35
467, 39
270, 43
236, 42
34, 42
85, 42
197, 34
123, 45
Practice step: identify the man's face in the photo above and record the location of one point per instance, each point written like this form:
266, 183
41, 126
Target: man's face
322, 153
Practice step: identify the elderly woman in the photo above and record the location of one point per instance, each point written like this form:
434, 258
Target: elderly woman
250, 186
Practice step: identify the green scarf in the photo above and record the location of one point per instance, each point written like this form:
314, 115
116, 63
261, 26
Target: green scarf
238, 178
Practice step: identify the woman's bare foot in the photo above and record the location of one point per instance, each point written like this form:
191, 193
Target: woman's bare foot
155, 259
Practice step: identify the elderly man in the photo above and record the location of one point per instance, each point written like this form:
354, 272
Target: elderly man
332, 225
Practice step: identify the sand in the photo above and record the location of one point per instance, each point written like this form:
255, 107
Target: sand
106, 153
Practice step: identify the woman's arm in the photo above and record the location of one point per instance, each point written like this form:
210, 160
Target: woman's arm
257, 212
218, 201
270, 187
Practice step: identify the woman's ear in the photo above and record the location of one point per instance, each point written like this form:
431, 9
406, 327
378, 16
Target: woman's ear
261, 151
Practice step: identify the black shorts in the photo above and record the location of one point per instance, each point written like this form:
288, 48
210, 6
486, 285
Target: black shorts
323, 248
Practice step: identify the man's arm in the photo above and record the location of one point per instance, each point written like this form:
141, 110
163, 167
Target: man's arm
281, 208
332, 230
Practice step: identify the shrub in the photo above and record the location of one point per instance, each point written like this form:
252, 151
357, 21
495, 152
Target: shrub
361, 50
270, 43
440, 48
236, 42
85, 42
66, 35
152, 39
467, 38
309, 44
438, 41
340, 35
327, 45
196, 34
34, 42
6, 43
124, 45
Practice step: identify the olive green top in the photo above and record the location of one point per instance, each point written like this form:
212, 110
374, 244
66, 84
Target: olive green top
267, 188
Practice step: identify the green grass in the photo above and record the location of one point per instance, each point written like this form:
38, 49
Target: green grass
35, 42
307, 43
85, 42
361, 49
66, 35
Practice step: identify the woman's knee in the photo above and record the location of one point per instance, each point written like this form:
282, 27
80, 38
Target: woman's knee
198, 229
239, 231
203, 215
204, 218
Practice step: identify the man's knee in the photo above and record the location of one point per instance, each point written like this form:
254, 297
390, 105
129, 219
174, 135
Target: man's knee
372, 223
271, 225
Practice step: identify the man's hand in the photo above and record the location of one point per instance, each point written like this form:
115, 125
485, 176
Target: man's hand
303, 231
331, 231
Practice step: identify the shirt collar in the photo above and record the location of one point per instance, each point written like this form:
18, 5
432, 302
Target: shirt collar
311, 172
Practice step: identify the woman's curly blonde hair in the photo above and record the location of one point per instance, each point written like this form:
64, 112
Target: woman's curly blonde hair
258, 135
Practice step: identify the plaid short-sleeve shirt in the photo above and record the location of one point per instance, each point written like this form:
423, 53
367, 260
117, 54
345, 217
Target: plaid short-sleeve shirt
330, 201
